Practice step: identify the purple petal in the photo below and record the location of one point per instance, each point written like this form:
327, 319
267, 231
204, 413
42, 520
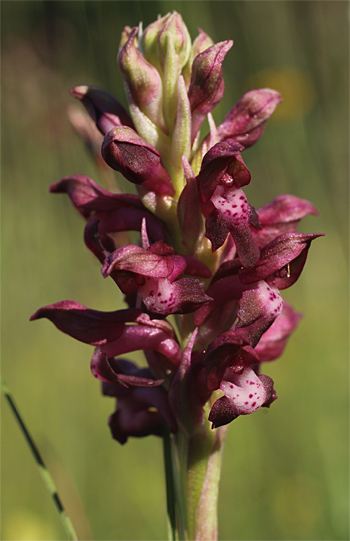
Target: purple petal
274, 340
282, 215
88, 197
89, 326
102, 369
143, 337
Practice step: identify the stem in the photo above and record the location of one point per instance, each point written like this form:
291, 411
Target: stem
197, 468
170, 486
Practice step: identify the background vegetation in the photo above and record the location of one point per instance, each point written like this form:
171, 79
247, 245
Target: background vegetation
285, 470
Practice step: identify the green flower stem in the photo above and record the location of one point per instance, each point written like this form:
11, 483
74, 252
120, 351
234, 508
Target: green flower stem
197, 468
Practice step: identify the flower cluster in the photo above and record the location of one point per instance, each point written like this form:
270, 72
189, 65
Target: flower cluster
205, 257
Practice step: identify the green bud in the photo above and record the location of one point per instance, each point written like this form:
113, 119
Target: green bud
142, 81
175, 26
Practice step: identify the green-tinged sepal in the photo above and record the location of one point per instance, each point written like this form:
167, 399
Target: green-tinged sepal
142, 80
149, 41
176, 28
148, 130
181, 140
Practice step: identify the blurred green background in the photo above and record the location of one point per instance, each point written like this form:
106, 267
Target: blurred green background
285, 470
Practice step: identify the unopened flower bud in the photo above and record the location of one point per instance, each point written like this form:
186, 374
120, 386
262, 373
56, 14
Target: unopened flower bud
142, 80
175, 27
124, 37
150, 41
200, 44
207, 84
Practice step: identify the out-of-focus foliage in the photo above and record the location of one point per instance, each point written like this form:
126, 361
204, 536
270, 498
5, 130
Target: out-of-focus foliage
285, 470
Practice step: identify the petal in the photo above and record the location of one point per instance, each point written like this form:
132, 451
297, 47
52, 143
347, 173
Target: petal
102, 369
282, 215
89, 326
143, 337
274, 340
87, 196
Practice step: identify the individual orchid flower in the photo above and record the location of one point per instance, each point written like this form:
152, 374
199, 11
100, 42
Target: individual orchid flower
227, 210
244, 393
203, 257
136, 392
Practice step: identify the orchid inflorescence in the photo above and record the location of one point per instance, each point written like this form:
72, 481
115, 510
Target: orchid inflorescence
206, 257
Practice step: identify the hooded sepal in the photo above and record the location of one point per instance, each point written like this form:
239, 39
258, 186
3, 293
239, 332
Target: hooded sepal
154, 272
138, 161
111, 371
